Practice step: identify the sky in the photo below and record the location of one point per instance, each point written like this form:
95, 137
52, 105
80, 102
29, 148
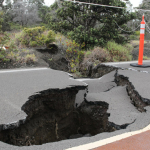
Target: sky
135, 3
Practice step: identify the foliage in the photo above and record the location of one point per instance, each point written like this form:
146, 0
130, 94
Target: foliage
44, 14
146, 58
32, 37
71, 51
50, 37
15, 26
25, 13
6, 15
4, 38
118, 52
93, 25
135, 36
30, 58
137, 33
87, 54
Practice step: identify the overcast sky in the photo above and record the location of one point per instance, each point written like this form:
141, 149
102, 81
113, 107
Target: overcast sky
134, 2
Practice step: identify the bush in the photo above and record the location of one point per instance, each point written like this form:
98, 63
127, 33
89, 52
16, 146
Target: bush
50, 37
137, 33
33, 43
118, 52
15, 26
94, 57
87, 54
146, 58
74, 56
3, 40
134, 37
31, 37
71, 51
30, 58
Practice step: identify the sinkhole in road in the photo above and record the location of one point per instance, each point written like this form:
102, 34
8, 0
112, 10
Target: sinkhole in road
53, 117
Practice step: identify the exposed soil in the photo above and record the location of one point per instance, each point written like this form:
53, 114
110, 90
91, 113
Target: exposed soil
44, 58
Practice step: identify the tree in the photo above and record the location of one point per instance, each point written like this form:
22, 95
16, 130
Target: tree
1, 3
144, 5
25, 13
44, 14
93, 25
6, 16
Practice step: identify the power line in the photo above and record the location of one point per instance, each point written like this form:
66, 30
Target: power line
95, 4
103, 5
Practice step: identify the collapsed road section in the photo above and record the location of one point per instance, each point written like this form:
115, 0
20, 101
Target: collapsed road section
66, 109
48, 115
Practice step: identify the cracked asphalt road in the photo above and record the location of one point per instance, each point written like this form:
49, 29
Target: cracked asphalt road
142, 119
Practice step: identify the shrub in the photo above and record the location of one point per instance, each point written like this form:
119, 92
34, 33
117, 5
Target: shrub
137, 33
94, 57
71, 51
118, 52
100, 54
15, 26
13, 56
33, 43
87, 53
50, 37
4, 38
30, 58
146, 58
31, 37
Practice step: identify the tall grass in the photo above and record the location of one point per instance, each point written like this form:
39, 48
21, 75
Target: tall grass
119, 52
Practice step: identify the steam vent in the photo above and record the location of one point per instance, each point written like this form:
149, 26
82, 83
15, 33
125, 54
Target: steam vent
46, 109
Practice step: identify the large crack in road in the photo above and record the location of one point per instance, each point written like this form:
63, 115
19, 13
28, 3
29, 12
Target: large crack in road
108, 104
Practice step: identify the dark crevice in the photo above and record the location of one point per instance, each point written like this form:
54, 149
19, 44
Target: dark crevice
110, 89
51, 117
119, 127
135, 97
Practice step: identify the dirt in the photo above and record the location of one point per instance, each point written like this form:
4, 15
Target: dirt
44, 58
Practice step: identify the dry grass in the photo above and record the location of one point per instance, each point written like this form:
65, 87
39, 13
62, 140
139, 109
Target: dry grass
146, 58
18, 53
136, 42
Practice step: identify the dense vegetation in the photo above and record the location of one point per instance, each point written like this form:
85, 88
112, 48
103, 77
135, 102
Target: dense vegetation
82, 33
93, 25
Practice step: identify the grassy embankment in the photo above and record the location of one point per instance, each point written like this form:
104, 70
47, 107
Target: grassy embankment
21, 43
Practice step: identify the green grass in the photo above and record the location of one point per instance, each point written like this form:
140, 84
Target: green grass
119, 52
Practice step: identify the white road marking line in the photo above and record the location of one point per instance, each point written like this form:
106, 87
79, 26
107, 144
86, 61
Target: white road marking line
126, 62
108, 140
86, 79
21, 70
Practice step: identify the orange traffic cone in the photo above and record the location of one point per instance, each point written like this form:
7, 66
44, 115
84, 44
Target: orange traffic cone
141, 46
